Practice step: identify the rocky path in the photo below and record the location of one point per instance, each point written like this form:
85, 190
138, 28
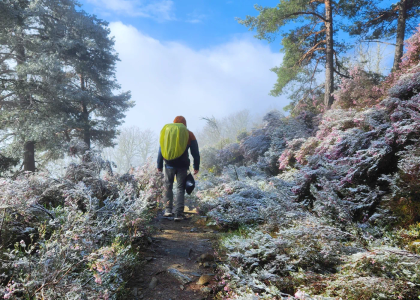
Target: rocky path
179, 264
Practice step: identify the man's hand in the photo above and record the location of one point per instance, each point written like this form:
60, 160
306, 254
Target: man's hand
160, 170
195, 172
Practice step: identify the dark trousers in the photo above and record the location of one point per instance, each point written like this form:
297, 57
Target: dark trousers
170, 174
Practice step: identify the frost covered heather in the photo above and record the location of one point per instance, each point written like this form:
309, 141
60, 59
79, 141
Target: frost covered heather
74, 237
328, 206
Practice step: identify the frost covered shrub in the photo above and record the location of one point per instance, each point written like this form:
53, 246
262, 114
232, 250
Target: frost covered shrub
245, 196
214, 160
381, 273
350, 148
307, 148
230, 155
405, 186
407, 86
255, 145
237, 204
287, 158
6, 163
281, 130
81, 244
267, 263
358, 91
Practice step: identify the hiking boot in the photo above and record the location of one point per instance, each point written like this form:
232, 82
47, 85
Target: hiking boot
168, 213
179, 217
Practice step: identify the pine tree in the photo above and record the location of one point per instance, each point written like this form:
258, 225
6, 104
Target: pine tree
374, 22
307, 46
96, 110
42, 105
31, 76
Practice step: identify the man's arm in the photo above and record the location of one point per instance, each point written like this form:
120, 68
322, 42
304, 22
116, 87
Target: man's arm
160, 161
196, 155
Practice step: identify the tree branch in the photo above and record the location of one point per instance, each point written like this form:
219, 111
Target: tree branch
311, 51
6, 96
306, 13
341, 74
367, 41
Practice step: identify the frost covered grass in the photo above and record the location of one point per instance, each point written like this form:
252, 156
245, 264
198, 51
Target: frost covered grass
74, 237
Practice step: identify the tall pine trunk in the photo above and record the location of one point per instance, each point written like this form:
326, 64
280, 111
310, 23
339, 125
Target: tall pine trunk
85, 116
28, 146
86, 126
399, 48
329, 66
29, 156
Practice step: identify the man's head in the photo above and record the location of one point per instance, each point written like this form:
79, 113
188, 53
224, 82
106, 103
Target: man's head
180, 119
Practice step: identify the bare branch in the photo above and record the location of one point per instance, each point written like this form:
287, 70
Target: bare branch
341, 74
367, 41
311, 51
6, 96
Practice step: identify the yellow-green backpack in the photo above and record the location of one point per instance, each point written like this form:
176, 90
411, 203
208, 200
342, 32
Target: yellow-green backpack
173, 140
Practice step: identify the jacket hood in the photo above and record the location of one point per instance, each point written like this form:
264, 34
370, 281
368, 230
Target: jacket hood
180, 119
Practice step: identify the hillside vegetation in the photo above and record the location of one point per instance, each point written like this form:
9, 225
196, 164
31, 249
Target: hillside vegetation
324, 204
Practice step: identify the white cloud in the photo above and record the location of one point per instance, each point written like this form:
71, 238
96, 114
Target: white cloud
161, 10
195, 18
169, 79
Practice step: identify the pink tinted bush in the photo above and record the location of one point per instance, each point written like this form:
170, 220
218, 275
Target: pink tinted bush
359, 91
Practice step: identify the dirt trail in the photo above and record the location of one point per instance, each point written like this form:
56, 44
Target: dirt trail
184, 248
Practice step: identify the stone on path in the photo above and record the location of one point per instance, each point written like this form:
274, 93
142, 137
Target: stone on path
184, 279
204, 279
153, 283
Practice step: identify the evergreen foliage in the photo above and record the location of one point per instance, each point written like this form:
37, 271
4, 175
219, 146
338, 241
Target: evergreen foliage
374, 22
307, 47
57, 79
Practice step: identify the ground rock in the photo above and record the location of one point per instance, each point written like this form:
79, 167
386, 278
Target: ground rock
204, 279
184, 279
153, 283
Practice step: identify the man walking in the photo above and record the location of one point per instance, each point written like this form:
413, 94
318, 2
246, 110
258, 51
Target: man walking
175, 140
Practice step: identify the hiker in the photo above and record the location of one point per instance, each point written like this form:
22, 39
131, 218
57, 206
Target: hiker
176, 139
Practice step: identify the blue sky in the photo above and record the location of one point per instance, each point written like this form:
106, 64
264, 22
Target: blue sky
190, 58
198, 24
